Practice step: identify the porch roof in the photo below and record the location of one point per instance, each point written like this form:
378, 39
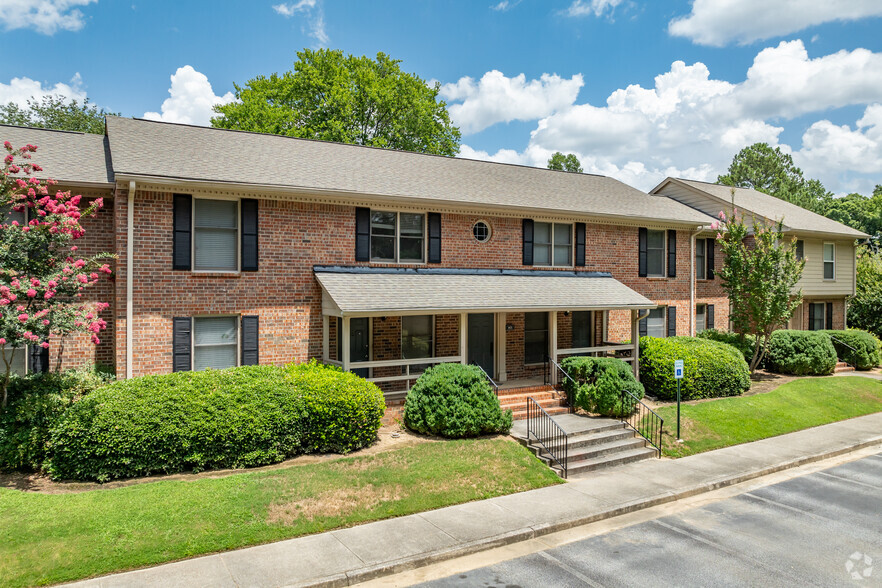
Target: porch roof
366, 291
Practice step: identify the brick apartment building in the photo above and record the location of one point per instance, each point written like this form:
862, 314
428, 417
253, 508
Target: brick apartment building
239, 248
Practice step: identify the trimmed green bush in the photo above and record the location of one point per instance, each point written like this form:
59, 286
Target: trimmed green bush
36, 402
601, 381
801, 353
743, 343
234, 418
456, 401
865, 352
710, 369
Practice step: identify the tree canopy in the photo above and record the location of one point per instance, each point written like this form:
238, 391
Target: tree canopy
346, 99
56, 112
865, 308
561, 162
857, 211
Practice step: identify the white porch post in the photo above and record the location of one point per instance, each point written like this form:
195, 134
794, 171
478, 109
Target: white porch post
501, 346
552, 342
326, 336
635, 340
345, 343
463, 334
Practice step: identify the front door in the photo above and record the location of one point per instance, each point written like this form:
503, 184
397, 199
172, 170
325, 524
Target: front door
360, 343
481, 341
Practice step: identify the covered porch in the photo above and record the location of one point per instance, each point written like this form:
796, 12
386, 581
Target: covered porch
398, 322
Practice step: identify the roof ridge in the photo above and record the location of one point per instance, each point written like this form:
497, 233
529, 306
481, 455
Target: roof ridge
49, 130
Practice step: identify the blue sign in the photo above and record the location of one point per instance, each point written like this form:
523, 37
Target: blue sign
678, 369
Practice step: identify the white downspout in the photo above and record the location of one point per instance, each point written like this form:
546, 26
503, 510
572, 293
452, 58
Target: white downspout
692, 280
130, 278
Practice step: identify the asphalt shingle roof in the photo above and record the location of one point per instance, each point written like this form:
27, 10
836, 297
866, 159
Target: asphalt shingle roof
173, 151
65, 156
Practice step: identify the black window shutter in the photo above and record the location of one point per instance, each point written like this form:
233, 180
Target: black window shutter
181, 343
672, 321
183, 220
642, 327
672, 254
38, 359
709, 257
362, 234
434, 223
641, 252
811, 317
580, 244
249, 235
829, 317
710, 316
528, 241
250, 343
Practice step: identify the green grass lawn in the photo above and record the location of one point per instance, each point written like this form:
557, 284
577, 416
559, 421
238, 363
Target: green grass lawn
791, 407
49, 538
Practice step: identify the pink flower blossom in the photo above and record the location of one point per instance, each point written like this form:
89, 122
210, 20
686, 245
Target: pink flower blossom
722, 216
719, 235
45, 322
44, 345
2, 341
79, 263
20, 308
82, 279
715, 225
23, 317
95, 339
52, 283
31, 293
49, 294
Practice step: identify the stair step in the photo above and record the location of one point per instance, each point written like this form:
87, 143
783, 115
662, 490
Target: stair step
843, 369
521, 414
606, 461
579, 454
518, 399
591, 438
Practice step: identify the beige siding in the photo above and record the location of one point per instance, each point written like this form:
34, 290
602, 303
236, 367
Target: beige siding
813, 282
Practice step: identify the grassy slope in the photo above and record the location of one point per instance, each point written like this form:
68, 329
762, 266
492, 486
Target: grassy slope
53, 538
796, 405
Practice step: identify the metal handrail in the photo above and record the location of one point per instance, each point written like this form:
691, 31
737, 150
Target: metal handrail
841, 342
486, 375
646, 422
550, 437
548, 360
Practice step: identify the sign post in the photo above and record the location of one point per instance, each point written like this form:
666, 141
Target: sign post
678, 375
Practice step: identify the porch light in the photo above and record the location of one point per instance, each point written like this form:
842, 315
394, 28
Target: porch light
509, 327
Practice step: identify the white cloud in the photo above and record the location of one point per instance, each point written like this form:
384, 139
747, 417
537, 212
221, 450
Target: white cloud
20, 90
315, 18
720, 22
496, 98
191, 100
44, 16
505, 5
591, 7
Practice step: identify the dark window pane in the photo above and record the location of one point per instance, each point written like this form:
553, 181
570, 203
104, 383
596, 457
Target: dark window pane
582, 329
383, 248
382, 223
411, 249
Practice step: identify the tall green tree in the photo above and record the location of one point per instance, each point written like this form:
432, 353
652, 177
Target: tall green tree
858, 211
865, 308
56, 112
346, 99
561, 162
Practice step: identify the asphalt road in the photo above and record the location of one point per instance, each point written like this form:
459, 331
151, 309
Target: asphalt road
821, 529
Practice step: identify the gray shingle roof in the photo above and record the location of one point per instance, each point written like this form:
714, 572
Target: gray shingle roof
416, 292
794, 217
78, 158
163, 150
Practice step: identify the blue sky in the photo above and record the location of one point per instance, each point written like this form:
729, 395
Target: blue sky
638, 89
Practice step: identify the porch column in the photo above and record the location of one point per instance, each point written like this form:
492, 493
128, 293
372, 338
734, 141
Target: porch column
463, 334
500, 347
326, 336
345, 343
635, 340
552, 343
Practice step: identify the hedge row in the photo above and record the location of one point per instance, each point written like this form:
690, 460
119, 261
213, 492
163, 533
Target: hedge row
801, 353
599, 382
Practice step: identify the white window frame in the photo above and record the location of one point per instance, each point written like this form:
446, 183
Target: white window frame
832, 261
700, 268
397, 238
664, 311
664, 249
703, 326
551, 244
27, 352
193, 229
193, 337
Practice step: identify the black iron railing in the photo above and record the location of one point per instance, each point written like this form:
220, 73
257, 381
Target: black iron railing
645, 421
489, 379
844, 344
550, 367
550, 437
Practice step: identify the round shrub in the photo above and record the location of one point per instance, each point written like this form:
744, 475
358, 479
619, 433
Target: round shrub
710, 369
856, 347
233, 418
599, 385
36, 402
456, 401
801, 353
743, 343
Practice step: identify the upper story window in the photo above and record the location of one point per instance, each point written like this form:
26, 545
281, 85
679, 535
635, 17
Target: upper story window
553, 244
215, 235
800, 249
17, 358
700, 259
655, 253
481, 231
829, 261
397, 236
10, 215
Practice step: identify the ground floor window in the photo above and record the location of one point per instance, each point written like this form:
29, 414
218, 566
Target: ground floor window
582, 330
535, 337
215, 342
416, 339
655, 322
17, 358
700, 318
817, 316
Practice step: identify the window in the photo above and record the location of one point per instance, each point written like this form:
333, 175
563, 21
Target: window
416, 339
800, 249
817, 316
215, 342
13, 215
582, 330
397, 236
700, 259
829, 261
700, 317
216, 235
655, 253
481, 231
535, 337
18, 359
553, 244
655, 322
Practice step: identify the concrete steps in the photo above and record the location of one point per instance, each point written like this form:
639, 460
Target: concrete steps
515, 399
842, 367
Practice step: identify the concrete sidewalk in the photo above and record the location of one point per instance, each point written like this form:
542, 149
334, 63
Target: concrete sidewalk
357, 554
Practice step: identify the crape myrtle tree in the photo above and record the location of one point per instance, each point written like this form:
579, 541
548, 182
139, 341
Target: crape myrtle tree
42, 275
759, 274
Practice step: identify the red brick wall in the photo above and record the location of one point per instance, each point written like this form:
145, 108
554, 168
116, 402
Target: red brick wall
838, 311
